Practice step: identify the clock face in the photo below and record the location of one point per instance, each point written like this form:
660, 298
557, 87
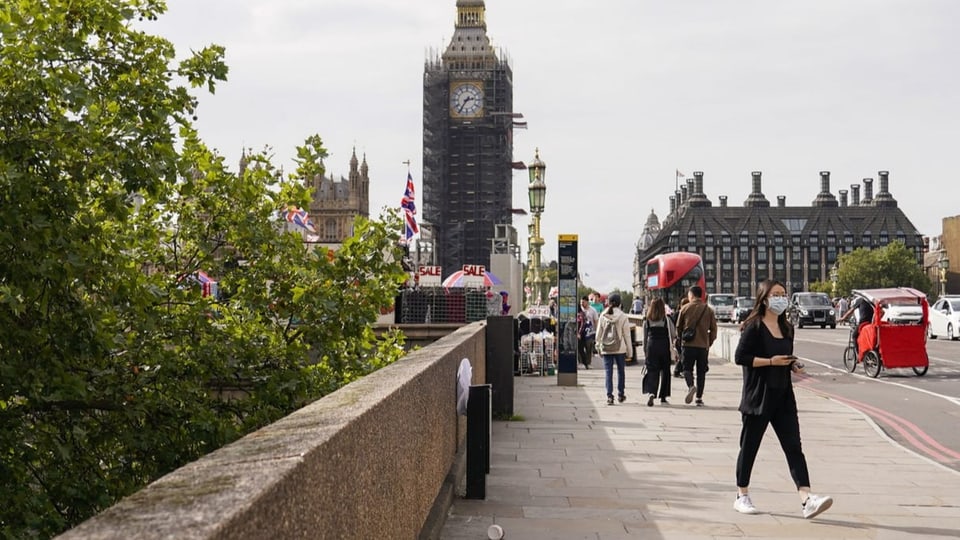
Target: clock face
466, 100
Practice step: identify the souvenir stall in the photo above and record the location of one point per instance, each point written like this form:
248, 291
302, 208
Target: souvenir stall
538, 343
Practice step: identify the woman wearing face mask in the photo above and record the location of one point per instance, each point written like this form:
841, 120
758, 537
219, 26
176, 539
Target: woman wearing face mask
765, 353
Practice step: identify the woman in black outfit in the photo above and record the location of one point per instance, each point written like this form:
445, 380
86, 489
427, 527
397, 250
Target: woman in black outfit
659, 334
765, 352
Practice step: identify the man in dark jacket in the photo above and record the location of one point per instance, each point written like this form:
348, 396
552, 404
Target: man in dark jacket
697, 317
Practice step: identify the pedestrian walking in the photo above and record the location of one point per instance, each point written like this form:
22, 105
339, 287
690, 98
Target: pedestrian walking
587, 319
659, 335
697, 327
613, 334
678, 344
765, 352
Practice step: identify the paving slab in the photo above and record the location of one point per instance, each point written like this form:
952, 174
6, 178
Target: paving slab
575, 467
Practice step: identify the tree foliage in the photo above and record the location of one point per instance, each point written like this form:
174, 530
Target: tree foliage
114, 368
890, 266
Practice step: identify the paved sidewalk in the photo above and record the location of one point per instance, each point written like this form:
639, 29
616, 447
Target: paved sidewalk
577, 468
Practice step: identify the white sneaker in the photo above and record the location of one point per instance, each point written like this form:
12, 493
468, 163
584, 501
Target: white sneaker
816, 505
744, 504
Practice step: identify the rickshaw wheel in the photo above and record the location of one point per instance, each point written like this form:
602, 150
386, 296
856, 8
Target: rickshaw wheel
850, 359
921, 371
871, 363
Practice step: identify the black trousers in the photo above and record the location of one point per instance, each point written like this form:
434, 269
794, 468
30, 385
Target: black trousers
787, 427
585, 350
695, 356
657, 377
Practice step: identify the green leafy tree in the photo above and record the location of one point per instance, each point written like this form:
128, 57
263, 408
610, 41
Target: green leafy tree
114, 367
822, 287
890, 266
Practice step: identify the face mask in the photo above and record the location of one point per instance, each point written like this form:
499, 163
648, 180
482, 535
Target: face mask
777, 304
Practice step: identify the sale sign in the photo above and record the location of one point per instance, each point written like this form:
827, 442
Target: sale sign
430, 276
473, 275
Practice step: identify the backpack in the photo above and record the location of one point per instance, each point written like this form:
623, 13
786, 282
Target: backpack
609, 339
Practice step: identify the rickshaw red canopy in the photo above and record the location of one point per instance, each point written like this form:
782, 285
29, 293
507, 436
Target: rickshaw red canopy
888, 344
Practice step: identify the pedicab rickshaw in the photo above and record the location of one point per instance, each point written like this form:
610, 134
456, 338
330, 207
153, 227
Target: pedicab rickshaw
890, 343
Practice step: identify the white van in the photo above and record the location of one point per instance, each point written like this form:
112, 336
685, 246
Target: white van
722, 305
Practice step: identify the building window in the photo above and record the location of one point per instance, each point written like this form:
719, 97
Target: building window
901, 237
744, 240
777, 239
831, 255
726, 254
778, 254
831, 239
691, 239
814, 239
867, 239
745, 254
848, 239
795, 225
762, 239
709, 238
761, 255
726, 239
814, 256
884, 238
795, 240
330, 230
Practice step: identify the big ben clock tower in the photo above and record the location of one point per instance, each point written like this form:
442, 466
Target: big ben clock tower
467, 145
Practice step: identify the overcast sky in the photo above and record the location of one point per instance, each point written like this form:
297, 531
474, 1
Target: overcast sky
618, 94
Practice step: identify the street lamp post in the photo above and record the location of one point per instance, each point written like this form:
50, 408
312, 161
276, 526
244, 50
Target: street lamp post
834, 276
537, 190
943, 263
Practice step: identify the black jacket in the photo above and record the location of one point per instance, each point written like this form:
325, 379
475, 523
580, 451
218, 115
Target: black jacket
764, 388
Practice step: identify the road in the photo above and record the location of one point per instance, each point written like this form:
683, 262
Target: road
920, 413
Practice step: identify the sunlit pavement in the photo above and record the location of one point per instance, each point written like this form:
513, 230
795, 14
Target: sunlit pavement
578, 468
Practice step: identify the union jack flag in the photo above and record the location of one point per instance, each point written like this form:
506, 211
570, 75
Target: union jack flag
298, 216
409, 206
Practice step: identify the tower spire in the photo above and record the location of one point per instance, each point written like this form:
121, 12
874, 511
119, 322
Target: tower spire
469, 45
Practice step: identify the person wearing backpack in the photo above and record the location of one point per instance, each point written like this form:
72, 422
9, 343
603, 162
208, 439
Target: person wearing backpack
697, 327
613, 334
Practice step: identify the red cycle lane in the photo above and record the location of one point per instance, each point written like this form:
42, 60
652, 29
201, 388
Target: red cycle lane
897, 427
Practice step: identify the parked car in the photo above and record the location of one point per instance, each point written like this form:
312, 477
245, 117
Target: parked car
945, 318
722, 305
811, 309
742, 305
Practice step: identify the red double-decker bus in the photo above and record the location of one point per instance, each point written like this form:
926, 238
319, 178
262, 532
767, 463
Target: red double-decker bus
669, 275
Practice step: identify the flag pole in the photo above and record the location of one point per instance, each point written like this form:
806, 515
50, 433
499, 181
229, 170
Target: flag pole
404, 232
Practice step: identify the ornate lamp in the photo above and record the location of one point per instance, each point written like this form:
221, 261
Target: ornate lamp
537, 191
943, 263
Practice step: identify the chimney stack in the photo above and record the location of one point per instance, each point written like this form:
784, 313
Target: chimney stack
756, 198
843, 198
723, 201
697, 197
781, 201
825, 198
684, 195
855, 194
673, 204
884, 198
867, 192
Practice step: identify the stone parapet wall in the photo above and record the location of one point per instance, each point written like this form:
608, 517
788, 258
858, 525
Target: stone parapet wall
367, 461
